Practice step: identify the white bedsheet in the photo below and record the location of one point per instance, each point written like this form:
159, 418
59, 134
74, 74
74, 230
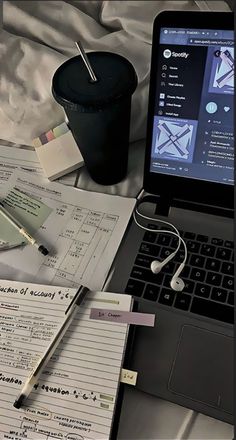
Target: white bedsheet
39, 35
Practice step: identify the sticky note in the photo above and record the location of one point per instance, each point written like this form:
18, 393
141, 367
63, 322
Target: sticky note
60, 156
36, 142
60, 130
43, 138
128, 376
49, 135
147, 319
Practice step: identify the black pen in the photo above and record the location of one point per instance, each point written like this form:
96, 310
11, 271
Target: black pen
33, 378
21, 229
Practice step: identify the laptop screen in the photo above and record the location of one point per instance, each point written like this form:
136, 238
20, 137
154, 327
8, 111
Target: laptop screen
193, 118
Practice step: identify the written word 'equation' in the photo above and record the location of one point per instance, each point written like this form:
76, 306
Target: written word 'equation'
81, 242
98, 399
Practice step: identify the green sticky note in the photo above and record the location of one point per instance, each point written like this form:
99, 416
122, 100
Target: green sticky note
31, 213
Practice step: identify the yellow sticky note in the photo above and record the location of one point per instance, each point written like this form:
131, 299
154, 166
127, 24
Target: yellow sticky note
128, 376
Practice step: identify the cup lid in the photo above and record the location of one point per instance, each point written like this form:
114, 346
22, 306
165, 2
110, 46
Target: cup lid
73, 89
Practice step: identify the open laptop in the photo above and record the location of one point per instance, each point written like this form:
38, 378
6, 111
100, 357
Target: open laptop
187, 358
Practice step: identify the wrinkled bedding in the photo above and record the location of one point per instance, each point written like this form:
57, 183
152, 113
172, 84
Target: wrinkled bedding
38, 36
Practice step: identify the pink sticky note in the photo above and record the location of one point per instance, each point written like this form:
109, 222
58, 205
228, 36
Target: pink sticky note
50, 136
147, 319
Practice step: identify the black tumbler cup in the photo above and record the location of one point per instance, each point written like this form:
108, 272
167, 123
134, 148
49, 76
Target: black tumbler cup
98, 112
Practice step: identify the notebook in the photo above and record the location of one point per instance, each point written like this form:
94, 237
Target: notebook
188, 180
77, 393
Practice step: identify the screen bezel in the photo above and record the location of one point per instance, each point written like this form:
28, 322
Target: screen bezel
176, 187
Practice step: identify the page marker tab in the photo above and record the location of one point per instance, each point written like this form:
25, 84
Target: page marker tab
128, 376
147, 319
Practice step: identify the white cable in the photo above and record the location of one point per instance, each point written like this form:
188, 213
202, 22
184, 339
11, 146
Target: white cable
186, 426
203, 5
176, 234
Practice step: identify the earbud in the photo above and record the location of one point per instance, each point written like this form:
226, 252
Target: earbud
156, 265
177, 283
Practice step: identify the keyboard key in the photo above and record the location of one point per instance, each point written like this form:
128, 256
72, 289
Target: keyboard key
212, 264
185, 272
188, 286
231, 298
169, 268
217, 241
165, 252
227, 268
174, 242
202, 238
152, 226
134, 287
214, 278
193, 246
167, 297
223, 254
151, 292
189, 235
212, 310
143, 260
182, 301
198, 274
150, 249
228, 283
150, 237
208, 250
164, 239
202, 290
146, 275
167, 280
219, 294
179, 257
229, 244
197, 260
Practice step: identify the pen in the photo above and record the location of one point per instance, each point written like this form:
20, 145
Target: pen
34, 375
22, 230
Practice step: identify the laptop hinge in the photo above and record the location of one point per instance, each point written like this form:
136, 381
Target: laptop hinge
163, 205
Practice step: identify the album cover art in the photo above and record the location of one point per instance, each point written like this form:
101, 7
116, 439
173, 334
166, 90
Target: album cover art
175, 139
222, 71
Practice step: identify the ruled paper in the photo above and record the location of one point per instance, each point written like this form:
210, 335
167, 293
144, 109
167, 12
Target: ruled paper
76, 394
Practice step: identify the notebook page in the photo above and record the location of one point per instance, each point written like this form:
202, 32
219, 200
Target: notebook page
76, 394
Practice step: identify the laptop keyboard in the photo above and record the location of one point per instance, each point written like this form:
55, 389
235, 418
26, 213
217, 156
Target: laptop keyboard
208, 274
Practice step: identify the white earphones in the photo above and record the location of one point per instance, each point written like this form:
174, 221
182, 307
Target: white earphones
176, 283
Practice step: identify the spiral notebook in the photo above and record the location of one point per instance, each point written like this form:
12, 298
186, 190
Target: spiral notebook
76, 396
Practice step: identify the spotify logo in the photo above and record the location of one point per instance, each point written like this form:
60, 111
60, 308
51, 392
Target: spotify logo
167, 53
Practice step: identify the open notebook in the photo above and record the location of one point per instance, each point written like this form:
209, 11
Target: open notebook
76, 396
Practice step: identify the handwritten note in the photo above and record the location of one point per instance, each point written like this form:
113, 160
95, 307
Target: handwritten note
128, 376
76, 395
125, 317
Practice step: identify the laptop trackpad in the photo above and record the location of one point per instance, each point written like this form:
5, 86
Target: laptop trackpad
200, 371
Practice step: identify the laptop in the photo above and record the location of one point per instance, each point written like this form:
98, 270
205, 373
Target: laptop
187, 358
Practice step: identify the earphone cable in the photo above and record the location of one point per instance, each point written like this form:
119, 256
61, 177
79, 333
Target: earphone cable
161, 231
